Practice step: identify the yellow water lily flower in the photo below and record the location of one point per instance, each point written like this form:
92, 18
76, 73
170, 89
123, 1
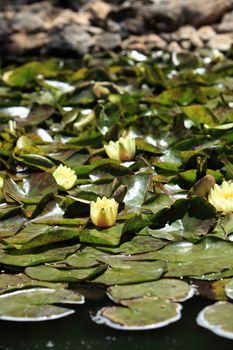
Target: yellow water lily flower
124, 149
65, 177
103, 212
221, 197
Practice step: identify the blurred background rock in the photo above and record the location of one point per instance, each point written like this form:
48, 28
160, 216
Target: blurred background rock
75, 27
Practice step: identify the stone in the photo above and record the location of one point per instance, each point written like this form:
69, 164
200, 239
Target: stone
32, 18
71, 37
222, 42
107, 41
174, 47
199, 12
206, 33
184, 33
185, 44
226, 24
100, 9
4, 26
143, 42
196, 41
21, 42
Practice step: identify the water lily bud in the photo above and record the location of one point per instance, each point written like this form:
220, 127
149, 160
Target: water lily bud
221, 197
65, 177
203, 186
1, 182
103, 212
124, 149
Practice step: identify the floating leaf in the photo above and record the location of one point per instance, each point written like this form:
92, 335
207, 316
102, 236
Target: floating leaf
108, 236
218, 318
140, 314
171, 289
33, 189
23, 260
124, 272
46, 273
38, 303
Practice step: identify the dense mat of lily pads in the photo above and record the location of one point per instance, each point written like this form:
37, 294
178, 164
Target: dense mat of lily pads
169, 240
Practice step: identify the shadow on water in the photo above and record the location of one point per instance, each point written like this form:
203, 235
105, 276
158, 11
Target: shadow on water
80, 332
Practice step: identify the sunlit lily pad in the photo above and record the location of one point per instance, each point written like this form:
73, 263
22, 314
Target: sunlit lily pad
32, 189
125, 272
171, 289
218, 318
229, 289
140, 314
54, 254
36, 304
47, 273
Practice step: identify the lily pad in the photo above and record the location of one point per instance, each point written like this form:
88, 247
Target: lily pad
140, 314
229, 289
38, 303
125, 272
218, 318
50, 274
23, 260
171, 289
11, 282
33, 188
109, 236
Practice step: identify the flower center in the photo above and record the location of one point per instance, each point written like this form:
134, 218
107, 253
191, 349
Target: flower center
227, 195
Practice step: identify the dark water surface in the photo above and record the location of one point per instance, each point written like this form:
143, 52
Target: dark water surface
80, 332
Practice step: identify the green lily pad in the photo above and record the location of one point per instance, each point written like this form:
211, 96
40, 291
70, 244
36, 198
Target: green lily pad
125, 272
23, 260
10, 282
52, 235
23, 75
38, 303
188, 259
37, 115
109, 236
229, 289
218, 318
200, 115
138, 244
137, 186
50, 274
87, 257
171, 289
33, 188
10, 226
140, 314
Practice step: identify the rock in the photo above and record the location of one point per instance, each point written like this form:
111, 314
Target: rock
199, 12
33, 18
4, 27
226, 24
71, 38
100, 9
196, 41
174, 47
185, 44
107, 41
184, 33
144, 42
206, 33
222, 42
162, 16
21, 42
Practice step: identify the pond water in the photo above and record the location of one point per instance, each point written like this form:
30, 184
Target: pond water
80, 332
